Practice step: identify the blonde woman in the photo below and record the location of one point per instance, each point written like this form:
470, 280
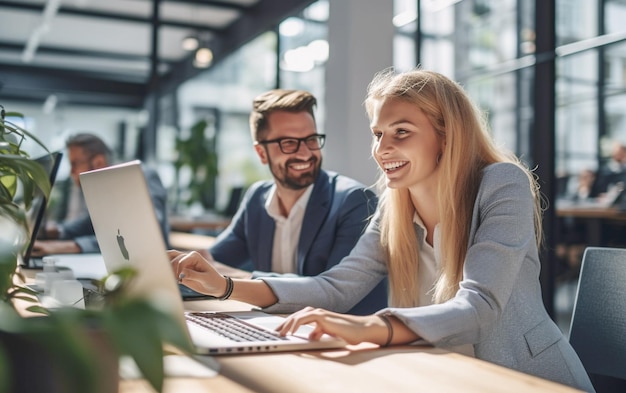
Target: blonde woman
456, 232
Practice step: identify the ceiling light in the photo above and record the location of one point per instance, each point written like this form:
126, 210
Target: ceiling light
190, 43
291, 27
50, 104
298, 60
203, 58
438, 5
404, 18
50, 10
318, 49
317, 11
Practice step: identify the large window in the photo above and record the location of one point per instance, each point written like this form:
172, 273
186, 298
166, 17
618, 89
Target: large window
404, 42
293, 57
590, 82
494, 49
303, 53
484, 45
437, 38
615, 90
489, 46
222, 96
577, 113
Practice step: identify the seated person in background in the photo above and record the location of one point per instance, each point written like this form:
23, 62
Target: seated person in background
572, 234
457, 231
305, 220
613, 172
586, 178
87, 152
580, 187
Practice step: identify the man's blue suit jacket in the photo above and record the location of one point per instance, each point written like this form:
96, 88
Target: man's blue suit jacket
336, 215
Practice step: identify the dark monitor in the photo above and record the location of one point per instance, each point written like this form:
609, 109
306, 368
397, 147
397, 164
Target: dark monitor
37, 211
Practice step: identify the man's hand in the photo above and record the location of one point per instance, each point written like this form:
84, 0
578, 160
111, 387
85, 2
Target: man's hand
47, 247
51, 231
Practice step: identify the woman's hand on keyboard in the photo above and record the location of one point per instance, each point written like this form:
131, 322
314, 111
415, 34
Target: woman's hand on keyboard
354, 329
351, 328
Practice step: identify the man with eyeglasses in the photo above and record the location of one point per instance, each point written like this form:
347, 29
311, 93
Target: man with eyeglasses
305, 220
88, 152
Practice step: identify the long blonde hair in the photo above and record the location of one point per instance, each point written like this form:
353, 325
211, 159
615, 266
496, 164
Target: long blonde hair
467, 150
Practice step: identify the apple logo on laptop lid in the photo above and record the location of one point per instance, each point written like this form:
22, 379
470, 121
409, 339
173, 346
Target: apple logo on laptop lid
122, 245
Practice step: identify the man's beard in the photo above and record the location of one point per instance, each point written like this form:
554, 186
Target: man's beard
303, 180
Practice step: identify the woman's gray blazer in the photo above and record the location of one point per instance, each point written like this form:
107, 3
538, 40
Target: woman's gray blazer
498, 308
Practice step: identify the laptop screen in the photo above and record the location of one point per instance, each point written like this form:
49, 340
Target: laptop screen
37, 211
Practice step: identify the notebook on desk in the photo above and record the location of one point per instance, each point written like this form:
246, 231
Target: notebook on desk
128, 233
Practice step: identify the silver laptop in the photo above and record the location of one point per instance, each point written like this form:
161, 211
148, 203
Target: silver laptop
128, 233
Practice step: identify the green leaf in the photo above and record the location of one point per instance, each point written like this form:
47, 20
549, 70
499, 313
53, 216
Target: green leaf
8, 264
39, 310
13, 128
11, 320
127, 325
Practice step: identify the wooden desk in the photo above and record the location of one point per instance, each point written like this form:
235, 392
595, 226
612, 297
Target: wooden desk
362, 368
585, 211
188, 224
593, 216
358, 368
366, 368
190, 241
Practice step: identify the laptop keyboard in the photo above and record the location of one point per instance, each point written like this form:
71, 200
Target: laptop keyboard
232, 328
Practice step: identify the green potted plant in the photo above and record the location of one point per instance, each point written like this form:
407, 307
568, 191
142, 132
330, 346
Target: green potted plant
76, 349
198, 153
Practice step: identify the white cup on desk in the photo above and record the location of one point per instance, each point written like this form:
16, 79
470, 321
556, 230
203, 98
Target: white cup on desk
68, 293
49, 264
47, 279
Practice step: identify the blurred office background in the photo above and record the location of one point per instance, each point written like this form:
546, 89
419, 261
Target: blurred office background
550, 74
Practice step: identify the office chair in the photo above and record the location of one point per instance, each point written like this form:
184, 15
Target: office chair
598, 327
236, 193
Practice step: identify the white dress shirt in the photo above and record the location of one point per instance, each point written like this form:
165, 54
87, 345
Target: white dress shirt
287, 231
428, 268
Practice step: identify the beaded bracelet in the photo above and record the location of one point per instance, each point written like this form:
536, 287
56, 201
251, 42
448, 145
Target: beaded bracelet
229, 288
387, 322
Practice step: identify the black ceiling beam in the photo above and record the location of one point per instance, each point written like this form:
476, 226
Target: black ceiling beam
51, 50
211, 3
107, 76
31, 83
73, 79
253, 21
78, 99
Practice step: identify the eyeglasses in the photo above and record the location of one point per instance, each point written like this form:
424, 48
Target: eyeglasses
291, 145
80, 162
83, 161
